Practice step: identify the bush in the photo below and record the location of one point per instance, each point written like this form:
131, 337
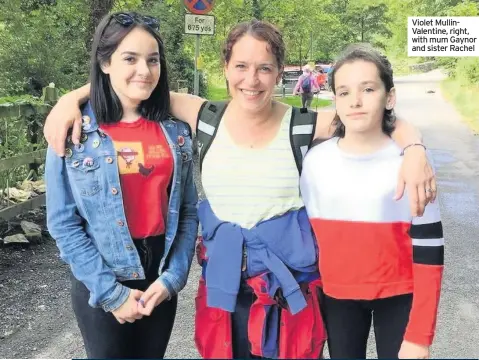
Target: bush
467, 70
42, 45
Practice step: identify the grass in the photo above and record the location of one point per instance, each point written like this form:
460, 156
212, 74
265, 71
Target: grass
296, 101
216, 93
220, 93
465, 99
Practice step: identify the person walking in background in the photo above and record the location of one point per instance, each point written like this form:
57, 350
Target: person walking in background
306, 86
321, 79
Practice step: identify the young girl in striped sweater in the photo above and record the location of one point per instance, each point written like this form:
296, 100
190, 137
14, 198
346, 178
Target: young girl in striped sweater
376, 260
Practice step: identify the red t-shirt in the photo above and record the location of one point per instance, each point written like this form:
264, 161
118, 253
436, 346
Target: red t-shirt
146, 165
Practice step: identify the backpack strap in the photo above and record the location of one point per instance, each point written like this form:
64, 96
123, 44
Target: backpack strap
209, 118
301, 133
317, 142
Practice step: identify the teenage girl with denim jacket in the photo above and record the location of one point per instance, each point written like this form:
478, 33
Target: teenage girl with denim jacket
121, 204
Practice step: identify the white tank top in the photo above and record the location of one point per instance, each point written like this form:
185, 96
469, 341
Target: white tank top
246, 186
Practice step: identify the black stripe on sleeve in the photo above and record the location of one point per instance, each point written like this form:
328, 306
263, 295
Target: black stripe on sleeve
428, 255
426, 231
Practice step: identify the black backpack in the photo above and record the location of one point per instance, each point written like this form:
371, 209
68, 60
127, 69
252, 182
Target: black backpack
301, 131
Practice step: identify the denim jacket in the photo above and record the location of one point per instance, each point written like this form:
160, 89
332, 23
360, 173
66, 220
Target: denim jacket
86, 217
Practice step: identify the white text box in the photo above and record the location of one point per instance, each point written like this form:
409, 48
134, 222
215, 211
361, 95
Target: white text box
199, 24
443, 36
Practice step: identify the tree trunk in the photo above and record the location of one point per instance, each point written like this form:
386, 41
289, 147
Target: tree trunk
362, 29
257, 11
300, 55
311, 55
98, 9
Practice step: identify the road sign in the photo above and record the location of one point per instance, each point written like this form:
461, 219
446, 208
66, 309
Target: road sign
199, 24
199, 7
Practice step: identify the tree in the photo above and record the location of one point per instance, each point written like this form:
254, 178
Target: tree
362, 21
98, 9
180, 62
256, 8
42, 45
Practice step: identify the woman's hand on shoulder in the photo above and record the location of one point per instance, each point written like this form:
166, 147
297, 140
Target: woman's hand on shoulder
417, 176
64, 115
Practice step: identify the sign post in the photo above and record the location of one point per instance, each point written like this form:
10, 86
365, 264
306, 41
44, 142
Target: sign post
196, 90
199, 24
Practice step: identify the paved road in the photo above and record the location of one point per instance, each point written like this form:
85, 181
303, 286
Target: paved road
41, 325
456, 154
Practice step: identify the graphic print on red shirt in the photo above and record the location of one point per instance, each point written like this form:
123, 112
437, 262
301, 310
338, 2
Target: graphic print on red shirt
146, 165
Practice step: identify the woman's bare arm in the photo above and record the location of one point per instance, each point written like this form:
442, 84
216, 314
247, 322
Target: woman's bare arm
66, 114
416, 175
186, 107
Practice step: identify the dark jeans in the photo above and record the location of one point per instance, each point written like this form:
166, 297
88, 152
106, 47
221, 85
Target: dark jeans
348, 323
104, 337
239, 319
306, 99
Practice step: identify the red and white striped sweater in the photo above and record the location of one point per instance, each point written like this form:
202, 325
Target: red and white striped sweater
370, 247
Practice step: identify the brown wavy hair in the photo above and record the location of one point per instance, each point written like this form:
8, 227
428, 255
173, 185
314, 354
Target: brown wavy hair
366, 53
260, 30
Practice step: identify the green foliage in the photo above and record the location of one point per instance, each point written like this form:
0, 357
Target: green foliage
217, 93
15, 139
464, 97
44, 41
464, 8
362, 21
467, 71
314, 30
20, 99
47, 42
462, 68
41, 44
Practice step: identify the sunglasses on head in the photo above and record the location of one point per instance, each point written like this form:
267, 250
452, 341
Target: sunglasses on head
127, 20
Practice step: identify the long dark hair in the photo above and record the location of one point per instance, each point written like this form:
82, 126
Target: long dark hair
366, 53
105, 103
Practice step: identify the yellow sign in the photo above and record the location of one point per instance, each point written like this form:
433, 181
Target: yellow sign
200, 62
